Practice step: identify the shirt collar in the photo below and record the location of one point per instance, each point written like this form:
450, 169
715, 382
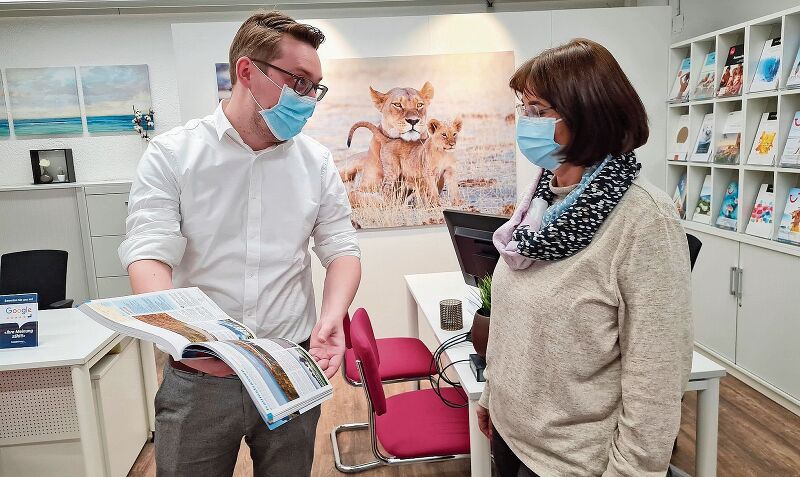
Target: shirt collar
221, 121
224, 127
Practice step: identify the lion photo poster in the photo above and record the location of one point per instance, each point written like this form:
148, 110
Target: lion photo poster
413, 135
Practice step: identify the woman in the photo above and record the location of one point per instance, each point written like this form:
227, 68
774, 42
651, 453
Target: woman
591, 340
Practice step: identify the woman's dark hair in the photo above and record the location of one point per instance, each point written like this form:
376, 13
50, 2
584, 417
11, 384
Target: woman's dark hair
586, 86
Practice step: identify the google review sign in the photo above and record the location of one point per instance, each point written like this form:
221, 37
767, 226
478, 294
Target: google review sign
18, 325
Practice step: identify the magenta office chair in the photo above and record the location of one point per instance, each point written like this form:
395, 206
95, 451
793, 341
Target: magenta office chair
411, 427
400, 359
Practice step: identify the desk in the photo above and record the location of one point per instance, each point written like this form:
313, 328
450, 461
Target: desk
51, 398
423, 294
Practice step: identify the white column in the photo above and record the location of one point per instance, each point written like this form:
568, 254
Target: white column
481, 454
91, 447
707, 429
150, 376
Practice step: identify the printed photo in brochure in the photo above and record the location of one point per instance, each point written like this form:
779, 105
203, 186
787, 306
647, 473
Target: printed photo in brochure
282, 379
789, 230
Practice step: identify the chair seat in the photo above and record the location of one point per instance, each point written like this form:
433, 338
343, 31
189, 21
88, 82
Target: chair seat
401, 358
419, 424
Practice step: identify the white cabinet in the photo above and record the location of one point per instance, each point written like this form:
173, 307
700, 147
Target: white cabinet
768, 341
714, 308
104, 208
758, 330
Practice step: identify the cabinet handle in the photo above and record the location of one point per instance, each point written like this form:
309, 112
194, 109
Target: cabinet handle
739, 273
732, 284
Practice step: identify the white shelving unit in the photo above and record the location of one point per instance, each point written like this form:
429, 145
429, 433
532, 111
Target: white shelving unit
735, 315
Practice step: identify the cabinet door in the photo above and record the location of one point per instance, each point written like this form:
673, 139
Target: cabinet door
713, 306
768, 343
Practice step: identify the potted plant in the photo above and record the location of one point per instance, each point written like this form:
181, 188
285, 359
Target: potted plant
480, 324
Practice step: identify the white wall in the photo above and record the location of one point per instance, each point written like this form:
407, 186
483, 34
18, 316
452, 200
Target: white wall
638, 37
703, 16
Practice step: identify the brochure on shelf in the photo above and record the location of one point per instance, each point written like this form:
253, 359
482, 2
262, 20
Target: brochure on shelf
702, 146
702, 213
762, 217
791, 152
731, 140
680, 88
763, 150
769, 67
707, 82
680, 140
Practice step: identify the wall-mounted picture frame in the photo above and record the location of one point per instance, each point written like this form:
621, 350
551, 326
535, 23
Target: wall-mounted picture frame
52, 166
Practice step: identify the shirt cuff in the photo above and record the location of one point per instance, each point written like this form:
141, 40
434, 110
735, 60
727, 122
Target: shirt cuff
166, 249
337, 246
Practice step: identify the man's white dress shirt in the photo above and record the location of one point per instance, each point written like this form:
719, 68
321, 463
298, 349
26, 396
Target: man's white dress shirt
236, 222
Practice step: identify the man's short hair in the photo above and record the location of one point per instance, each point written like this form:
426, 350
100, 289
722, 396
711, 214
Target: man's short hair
260, 35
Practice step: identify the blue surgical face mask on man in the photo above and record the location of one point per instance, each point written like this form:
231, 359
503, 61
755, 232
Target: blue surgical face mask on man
288, 117
536, 140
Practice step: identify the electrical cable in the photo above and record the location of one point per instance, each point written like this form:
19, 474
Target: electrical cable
442, 372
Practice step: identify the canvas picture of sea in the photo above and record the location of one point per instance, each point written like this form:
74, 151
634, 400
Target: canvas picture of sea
5, 131
223, 80
44, 101
110, 94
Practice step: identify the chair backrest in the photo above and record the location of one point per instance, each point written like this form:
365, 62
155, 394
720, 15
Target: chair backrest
365, 350
35, 271
346, 327
694, 248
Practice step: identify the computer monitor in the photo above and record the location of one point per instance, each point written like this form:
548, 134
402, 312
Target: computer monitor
472, 239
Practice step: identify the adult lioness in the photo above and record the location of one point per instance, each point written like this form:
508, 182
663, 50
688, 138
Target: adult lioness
425, 166
403, 117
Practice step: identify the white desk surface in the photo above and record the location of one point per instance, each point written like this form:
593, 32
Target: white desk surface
430, 288
66, 337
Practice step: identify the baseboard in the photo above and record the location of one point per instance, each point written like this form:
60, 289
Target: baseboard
768, 390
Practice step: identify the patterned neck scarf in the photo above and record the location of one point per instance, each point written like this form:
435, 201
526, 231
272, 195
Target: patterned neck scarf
574, 228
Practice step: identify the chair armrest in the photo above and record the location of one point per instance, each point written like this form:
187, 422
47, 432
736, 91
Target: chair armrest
62, 304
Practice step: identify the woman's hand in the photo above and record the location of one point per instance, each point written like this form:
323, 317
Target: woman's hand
484, 421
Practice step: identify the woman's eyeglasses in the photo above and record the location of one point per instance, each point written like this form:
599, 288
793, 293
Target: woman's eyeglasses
532, 111
302, 85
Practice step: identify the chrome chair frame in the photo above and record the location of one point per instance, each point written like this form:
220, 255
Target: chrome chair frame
381, 458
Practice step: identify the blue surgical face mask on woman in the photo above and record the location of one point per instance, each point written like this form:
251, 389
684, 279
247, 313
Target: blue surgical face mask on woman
287, 118
535, 138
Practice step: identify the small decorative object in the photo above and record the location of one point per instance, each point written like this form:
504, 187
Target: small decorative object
480, 324
46, 160
451, 316
143, 123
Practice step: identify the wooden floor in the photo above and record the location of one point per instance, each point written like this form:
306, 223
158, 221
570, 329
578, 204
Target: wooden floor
756, 438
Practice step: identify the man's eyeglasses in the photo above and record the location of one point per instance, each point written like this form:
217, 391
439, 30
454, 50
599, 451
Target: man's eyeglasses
302, 85
532, 111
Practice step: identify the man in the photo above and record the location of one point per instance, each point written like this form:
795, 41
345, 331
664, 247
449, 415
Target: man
228, 203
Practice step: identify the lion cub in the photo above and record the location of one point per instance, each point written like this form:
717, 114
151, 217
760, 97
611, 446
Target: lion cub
427, 166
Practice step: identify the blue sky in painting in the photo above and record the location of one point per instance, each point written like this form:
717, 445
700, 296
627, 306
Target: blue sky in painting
114, 90
37, 93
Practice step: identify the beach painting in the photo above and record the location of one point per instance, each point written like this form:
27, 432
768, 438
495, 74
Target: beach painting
44, 101
224, 86
5, 131
413, 135
110, 94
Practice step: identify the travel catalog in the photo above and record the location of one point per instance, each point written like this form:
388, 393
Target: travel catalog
769, 67
791, 152
794, 73
733, 74
283, 380
763, 151
680, 88
730, 143
680, 141
708, 79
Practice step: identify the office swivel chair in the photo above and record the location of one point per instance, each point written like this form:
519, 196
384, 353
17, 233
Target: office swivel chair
694, 248
36, 271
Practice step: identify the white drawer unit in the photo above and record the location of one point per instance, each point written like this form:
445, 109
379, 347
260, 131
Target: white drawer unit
107, 213
104, 208
106, 259
108, 287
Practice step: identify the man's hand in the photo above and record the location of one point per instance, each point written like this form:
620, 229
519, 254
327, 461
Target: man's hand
213, 366
484, 421
327, 344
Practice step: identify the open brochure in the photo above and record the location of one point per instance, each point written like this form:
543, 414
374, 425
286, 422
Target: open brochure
281, 377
